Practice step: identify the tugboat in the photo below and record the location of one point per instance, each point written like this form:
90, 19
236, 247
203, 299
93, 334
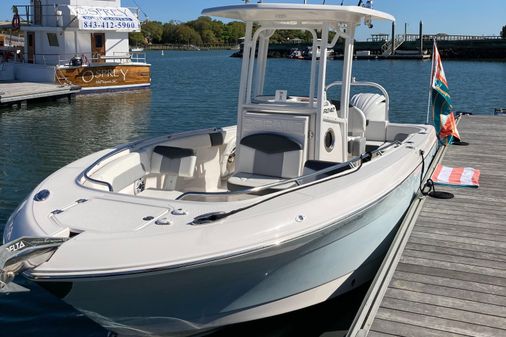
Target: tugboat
188, 232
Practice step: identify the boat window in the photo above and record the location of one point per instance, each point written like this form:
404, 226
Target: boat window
99, 41
53, 39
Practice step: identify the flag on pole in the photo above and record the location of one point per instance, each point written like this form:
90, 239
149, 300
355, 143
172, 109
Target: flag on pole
441, 102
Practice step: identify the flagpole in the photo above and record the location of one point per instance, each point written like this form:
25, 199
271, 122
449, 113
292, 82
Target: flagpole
431, 80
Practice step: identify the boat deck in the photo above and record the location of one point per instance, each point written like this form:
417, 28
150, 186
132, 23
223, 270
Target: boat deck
445, 273
12, 93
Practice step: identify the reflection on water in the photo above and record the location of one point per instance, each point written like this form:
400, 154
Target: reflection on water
37, 140
192, 90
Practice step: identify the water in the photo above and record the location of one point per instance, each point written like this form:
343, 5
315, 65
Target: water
194, 90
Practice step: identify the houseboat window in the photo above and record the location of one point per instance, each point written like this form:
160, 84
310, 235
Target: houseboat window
99, 43
53, 39
37, 12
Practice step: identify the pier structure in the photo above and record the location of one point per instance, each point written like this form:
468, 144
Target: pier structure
17, 93
445, 273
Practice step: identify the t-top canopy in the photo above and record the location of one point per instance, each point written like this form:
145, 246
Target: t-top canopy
283, 12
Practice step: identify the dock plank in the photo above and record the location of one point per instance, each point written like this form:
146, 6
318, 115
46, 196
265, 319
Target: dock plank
444, 312
402, 329
446, 301
449, 278
426, 278
448, 292
437, 323
14, 92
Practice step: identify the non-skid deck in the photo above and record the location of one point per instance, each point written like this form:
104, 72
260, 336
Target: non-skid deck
447, 275
17, 92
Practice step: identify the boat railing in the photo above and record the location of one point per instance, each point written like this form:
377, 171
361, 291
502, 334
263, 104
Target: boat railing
86, 59
334, 171
356, 83
131, 57
48, 14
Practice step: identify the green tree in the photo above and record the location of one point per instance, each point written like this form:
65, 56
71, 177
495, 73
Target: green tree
136, 39
152, 31
233, 31
169, 34
208, 37
187, 35
503, 32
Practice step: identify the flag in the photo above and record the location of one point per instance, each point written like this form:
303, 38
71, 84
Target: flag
456, 176
441, 102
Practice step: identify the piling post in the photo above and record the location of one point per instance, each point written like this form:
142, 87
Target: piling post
420, 36
393, 38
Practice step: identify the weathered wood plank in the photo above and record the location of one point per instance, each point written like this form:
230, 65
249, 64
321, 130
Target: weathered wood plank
379, 334
454, 266
407, 330
491, 251
467, 228
443, 312
448, 291
499, 240
440, 247
449, 302
12, 92
424, 277
498, 266
452, 274
428, 221
438, 323
497, 245
432, 217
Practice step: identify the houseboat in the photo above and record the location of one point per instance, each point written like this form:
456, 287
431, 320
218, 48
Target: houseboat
81, 43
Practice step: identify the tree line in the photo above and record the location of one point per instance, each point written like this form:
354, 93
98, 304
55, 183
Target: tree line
202, 31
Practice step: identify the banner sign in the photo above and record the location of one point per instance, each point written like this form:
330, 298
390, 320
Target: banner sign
103, 18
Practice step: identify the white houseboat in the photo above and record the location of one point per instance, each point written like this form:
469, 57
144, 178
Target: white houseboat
82, 43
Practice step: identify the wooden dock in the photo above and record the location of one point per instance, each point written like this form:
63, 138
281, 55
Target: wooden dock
15, 93
445, 274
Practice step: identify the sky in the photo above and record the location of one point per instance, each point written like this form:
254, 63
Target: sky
466, 17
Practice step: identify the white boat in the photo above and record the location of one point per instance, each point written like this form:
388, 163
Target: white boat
196, 230
82, 43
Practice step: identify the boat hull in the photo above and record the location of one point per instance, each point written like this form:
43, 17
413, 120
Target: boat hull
279, 279
106, 76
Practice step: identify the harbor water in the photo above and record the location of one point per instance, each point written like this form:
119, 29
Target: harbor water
192, 90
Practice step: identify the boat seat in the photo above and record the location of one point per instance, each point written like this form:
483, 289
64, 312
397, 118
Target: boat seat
374, 108
357, 124
121, 172
264, 158
173, 162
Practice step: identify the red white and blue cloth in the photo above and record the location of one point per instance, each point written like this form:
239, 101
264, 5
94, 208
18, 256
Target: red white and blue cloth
456, 176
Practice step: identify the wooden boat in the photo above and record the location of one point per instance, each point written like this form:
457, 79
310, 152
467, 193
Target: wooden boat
84, 44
